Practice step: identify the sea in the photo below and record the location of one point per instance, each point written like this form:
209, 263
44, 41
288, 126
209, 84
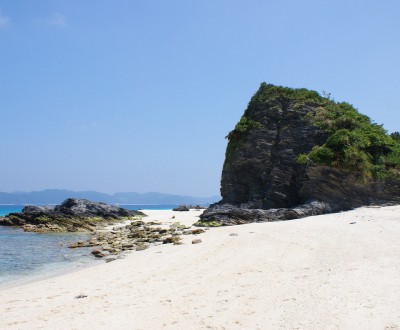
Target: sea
26, 257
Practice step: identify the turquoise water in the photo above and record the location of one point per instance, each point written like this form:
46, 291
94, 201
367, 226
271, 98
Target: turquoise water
28, 256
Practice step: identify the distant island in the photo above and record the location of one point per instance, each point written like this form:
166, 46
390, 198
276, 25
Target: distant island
56, 196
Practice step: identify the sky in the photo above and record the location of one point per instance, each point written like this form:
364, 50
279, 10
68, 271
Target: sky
138, 95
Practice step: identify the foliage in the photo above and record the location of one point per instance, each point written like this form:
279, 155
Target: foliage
353, 141
395, 136
242, 127
284, 95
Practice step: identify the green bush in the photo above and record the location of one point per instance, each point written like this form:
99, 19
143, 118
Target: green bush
353, 142
242, 127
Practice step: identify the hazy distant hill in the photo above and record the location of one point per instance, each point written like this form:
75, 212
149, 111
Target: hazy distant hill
56, 196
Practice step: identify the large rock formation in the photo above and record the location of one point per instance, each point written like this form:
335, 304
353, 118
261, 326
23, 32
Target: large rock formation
282, 161
71, 215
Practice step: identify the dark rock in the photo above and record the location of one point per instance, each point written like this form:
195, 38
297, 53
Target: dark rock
189, 207
181, 208
263, 181
36, 210
72, 215
196, 241
196, 207
98, 254
173, 239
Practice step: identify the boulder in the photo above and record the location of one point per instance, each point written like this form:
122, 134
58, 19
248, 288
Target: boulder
181, 208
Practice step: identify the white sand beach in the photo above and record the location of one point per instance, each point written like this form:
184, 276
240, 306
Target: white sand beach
337, 271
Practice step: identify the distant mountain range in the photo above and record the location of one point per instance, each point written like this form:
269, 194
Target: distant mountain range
56, 196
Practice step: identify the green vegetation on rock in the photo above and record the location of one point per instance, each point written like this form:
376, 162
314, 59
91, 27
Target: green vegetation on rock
285, 95
354, 142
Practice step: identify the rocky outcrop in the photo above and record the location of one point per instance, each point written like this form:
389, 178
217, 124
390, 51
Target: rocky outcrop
182, 208
137, 236
262, 178
71, 215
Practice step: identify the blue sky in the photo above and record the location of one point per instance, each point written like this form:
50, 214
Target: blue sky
138, 95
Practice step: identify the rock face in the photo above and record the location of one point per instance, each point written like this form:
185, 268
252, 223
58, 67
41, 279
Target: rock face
262, 179
71, 215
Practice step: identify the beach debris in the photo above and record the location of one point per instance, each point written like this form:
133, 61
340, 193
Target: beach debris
233, 234
80, 296
352, 223
196, 241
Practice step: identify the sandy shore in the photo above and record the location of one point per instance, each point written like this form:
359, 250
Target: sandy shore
338, 271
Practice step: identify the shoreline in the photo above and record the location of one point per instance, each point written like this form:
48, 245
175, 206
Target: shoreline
37, 277
337, 271
72, 267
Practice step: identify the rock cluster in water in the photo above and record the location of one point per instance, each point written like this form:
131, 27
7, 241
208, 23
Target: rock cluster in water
72, 215
262, 177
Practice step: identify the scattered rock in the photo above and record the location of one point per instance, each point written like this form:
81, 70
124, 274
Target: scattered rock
172, 239
196, 231
137, 236
80, 296
196, 241
142, 247
98, 254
